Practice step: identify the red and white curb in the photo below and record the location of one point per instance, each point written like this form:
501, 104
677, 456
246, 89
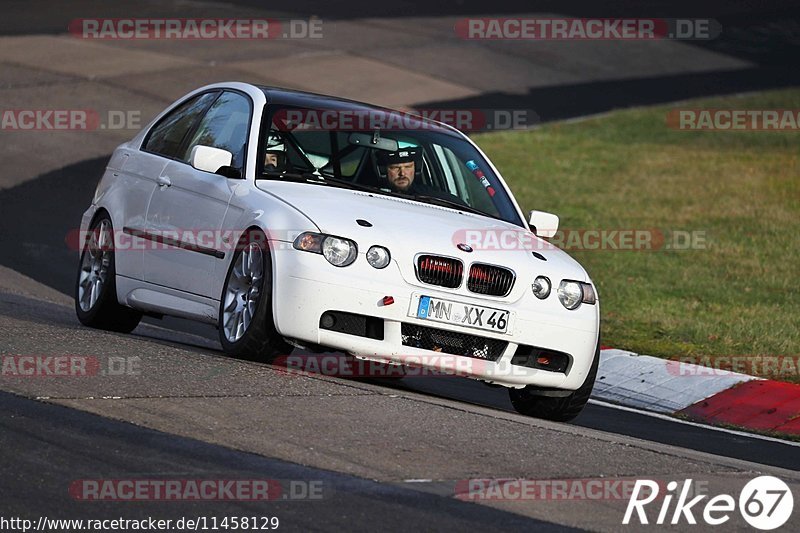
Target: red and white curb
698, 393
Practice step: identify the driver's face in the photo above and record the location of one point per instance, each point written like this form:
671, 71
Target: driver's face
401, 175
271, 159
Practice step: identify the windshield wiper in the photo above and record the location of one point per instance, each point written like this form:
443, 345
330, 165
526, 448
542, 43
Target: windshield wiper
300, 177
316, 179
348, 185
448, 203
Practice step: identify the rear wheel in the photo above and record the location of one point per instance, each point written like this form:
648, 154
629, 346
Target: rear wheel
96, 287
562, 409
246, 326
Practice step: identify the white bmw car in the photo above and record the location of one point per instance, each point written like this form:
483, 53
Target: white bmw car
290, 219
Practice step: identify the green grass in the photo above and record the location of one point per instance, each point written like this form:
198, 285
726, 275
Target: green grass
739, 295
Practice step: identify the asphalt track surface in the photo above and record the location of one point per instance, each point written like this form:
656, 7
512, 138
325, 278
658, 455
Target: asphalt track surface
55, 442
365, 443
46, 446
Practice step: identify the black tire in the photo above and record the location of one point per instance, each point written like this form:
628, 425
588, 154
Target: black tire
526, 401
260, 341
105, 312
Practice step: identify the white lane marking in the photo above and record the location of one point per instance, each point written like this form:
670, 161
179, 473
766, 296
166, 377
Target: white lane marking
695, 424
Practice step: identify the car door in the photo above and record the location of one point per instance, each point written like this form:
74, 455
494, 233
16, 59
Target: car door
139, 170
188, 207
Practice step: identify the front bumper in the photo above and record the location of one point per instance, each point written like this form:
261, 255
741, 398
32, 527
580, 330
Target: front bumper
306, 286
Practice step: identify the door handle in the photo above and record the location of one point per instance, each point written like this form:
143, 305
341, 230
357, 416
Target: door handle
163, 181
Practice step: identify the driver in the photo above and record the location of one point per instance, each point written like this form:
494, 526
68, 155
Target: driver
275, 153
401, 169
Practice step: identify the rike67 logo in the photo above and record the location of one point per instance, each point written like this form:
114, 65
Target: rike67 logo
765, 503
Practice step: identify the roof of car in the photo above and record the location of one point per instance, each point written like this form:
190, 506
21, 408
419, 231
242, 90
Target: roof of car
290, 97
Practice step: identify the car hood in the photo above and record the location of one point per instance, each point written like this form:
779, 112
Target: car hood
408, 228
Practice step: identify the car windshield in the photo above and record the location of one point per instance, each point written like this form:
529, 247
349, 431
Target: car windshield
407, 157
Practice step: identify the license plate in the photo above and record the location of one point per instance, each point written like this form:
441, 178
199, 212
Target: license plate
461, 314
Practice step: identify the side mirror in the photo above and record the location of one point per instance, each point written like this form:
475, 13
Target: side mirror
209, 159
543, 224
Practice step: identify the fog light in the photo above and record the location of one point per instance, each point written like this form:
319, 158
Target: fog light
327, 321
541, 287
378, 257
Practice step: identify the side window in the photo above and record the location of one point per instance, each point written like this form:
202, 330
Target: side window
463, 183
224, 126
166, 137
479, 198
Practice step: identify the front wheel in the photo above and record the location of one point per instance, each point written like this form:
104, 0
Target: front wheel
96, 287
246, 326
560, 409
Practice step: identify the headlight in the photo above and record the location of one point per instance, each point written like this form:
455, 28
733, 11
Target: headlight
378, 256
339, 252
572, 293
541, 287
